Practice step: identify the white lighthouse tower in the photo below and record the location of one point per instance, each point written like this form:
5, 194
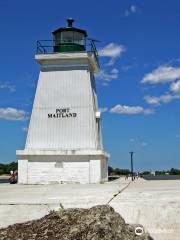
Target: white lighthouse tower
64, 142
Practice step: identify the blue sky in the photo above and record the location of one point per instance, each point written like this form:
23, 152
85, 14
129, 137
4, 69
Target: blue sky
138, 86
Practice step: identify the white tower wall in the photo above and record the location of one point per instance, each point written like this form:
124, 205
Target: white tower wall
64, 138
69, 132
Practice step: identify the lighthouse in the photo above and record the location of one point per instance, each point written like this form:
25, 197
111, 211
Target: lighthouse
64, 141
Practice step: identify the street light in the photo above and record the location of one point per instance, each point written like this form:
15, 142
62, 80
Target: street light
132, 175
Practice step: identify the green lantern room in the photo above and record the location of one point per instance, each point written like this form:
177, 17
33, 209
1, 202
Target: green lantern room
69, 39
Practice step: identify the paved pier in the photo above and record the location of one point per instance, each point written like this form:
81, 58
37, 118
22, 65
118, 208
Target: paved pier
154, 204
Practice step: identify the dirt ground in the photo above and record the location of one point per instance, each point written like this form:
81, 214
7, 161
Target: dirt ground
97, 223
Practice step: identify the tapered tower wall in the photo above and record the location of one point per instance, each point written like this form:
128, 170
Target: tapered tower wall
64, 111
64, 142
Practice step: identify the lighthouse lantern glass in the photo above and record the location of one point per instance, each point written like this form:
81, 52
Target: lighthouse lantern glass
67, 37
70, 37
79, 38
69, 41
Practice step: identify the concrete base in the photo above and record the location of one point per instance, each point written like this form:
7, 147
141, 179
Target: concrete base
154, 204
51, 167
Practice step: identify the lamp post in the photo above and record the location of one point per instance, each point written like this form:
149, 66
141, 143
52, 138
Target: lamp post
132, 175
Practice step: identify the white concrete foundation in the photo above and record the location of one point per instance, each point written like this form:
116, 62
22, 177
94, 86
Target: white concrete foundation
23, 171
56, 168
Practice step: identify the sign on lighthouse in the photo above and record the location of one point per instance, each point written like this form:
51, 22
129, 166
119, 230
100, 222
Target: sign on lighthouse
64, 143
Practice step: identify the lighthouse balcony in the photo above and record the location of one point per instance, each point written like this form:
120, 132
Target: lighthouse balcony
59, 46
50, 54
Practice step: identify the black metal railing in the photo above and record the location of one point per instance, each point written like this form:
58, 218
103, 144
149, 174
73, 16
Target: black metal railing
45, 46
54, 46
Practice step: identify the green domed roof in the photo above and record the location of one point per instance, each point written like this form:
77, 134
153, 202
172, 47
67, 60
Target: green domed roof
70, 28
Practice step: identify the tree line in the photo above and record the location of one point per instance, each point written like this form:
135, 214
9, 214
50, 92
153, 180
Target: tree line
6, 168
118, 171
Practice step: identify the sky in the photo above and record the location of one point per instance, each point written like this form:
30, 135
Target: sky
138, 85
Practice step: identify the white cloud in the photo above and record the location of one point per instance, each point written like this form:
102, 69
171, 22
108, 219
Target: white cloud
162, 74
131, 10
105, 109
131, 110
115, 71
144, 144
152, 100
107, 77
148, 111
113, 51
132, 140
9, 87
25, 129
123, 109
175, 87
13, 114
128, 67
137, 143
161, 99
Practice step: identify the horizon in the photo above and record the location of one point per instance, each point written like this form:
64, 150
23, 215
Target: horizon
114, 168
138, 86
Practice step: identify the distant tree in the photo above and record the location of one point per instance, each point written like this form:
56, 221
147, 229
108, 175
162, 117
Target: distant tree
110, 170
2, 168
6, 168
117, 171
146, 173
160, 172
174, 171
1, 171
